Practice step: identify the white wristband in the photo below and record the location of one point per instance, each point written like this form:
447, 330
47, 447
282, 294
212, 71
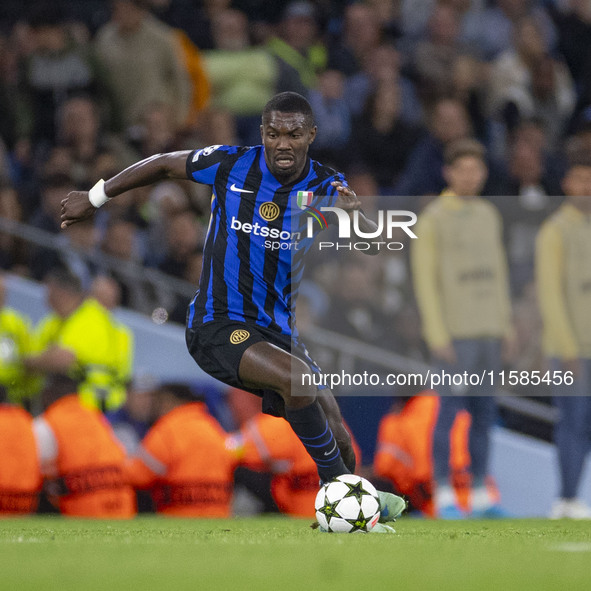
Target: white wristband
97, 195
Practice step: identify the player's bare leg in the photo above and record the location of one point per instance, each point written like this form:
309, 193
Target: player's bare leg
265, 366
259, 355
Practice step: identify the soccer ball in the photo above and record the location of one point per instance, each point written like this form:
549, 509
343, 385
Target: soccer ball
347, 504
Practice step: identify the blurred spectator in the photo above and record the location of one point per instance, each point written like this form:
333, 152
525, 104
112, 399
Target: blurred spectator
15, 343
383, 65
184, 257
525, 198
574, 43
297, 48
20, 474
332, 117
553, 96
355, 308
80, 130
528, 332
381, 140
261, 11
9, 106
53, 190
122, 241
199, 83
156, 132
414, 15
219, 127
462, 290
106, 292
80, 338
131, 422
48, 218
490, 29
267, 444
78, 245
12, 248
526, 82
405, 451
435, 55
4, 162
183, 459
361, 34
243, 78
469, 81
81, 460
58, 67
192, 18
165, 200
139, 52
388, 13
184, 238
423, 173
563, 272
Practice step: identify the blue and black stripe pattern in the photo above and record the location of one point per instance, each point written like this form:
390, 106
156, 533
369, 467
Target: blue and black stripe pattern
311, 426
246, 276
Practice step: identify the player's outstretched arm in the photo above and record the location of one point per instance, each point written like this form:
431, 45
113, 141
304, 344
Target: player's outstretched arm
80, 205
349, 201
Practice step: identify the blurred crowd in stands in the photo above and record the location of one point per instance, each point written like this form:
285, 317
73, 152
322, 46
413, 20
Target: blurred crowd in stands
89, 87
86, 88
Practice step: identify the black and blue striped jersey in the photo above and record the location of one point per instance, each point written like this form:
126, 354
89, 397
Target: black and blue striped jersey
253, 258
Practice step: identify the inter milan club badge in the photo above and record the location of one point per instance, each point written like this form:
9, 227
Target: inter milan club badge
305, 199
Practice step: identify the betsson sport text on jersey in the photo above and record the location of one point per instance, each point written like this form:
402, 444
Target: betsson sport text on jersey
347, 226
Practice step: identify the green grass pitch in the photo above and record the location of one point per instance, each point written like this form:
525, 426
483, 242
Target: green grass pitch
280, 554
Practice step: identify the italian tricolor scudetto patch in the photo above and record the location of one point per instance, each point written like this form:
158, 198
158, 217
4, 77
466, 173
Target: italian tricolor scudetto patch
304, 199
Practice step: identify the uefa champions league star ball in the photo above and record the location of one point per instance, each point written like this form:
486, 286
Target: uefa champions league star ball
347, 504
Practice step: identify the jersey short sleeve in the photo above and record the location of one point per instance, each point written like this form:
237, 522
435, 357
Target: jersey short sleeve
203, 165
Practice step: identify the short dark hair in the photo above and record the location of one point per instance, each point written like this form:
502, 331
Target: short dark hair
289, 102
464, 147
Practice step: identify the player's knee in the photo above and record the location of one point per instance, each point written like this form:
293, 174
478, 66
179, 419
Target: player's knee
300, 390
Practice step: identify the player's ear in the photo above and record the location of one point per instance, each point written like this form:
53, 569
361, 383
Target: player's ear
261, 128
446, 174
312, 135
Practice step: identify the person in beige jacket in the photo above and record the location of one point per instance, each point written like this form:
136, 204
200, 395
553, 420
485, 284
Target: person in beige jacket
461, 286
563, 273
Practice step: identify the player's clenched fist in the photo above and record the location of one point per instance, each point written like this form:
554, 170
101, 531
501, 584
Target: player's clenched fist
75, 208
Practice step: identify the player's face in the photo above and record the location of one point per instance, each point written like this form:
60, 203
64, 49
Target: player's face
286, 137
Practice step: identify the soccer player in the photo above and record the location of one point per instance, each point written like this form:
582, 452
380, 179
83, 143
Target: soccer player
240, 324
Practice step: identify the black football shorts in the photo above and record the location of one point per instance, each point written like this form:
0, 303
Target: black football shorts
218, 346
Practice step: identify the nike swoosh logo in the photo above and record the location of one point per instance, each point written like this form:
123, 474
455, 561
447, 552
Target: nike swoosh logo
235, 188
328, 453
